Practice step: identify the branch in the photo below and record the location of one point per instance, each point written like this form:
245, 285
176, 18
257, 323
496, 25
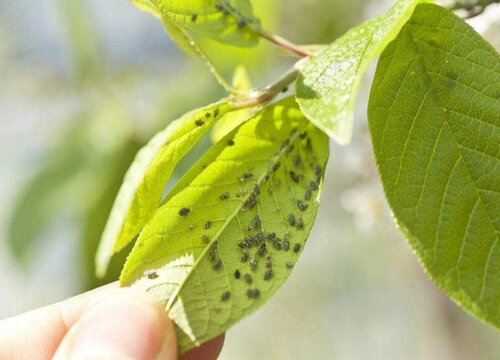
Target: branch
284, 43
472, 8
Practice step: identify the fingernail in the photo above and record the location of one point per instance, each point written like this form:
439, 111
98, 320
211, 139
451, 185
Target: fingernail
126, 326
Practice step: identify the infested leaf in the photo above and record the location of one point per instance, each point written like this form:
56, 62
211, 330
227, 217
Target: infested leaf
227, 21
434, 119
229, 233
146, 178
328, 84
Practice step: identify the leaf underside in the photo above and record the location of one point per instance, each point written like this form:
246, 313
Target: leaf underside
231, 230
144, 183
228, 21
434, 117
328, 84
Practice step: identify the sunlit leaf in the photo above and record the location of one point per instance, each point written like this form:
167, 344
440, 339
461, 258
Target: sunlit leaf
232, 229
146, 178
328, 84
434, 119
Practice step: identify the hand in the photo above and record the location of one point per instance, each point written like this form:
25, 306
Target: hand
106, 323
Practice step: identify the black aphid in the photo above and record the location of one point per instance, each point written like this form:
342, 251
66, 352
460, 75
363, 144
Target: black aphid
224, 196
302, 205
303, 135
151, 275
289, 265
271, 235
230, 142
247, 176
276, 166
205, 238
242, 23
216, 112
299, 224
237, 274
184, 211
291, 219
307, 195
194, 17
207, 115
296, 248
260, 235
244, 257
243, 245
225, 296
253, 293
314, 186
261, 250
297, 160
290, 149
199, 122
268, 274
248, 278
217, 264
285, 89
277, 245
256, 222
317, 170
191, 227
253, 264
256, 190
296, 177
213, 255
250, 202
218, 6
286, 245
207, 225
269, 264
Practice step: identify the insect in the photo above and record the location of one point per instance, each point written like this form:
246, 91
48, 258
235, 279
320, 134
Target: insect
151, 275
268, 274
256, 222
285, 89
253, 293
286, 245
271, 235
205, 238
207, 225
218, 6
296, 248
307, 195
260, 235
318, 171
269, 264
207, 115
276, 166
296, 177
230, 142
302, 205
199, 122
225, 296
253, 264
184, 211
224, 196
244, 257
194, 17
314, 186
248, 278
261, 250
217, 264
237, 274
299, 224
297, 160
289, 265
291, 219
216, 112
241, 23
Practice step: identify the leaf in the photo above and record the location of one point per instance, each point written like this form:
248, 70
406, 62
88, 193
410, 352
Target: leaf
328, 84
146, 178
263, 188
230, 121
228, 21
434, 120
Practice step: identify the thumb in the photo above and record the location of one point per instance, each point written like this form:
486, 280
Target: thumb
125, 326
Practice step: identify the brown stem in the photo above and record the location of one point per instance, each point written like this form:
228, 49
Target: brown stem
284, 43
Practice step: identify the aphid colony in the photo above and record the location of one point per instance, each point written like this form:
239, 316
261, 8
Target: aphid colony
257, 245
227, 9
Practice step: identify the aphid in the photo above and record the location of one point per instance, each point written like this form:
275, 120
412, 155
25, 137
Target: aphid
253, 264
291, 219
230, 142
260, 235
286, 245
296, 177
302, 205
299, 224
284, 144
307, 195
237, 274
268, 257
269, 264
248, 278
250, 202
277, 245
308, 144
194, 17
268, 274
207, 115
242, 23
271, 235
296, 248
314, 186
276, 166
214, 246
216, 112
317, 170
253, 293
213, 255
207, 225
289, 265
303, 135
290, 149
205, 238
217, 264
184, 211
297, 160
244, 257
224, 196
218, 6
191, 227
247, 176
261, 250
256, 190
285, 89
199, 122
243, 245
256, 222
151, 275
225, 296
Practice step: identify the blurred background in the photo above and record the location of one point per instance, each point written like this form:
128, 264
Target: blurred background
85, 83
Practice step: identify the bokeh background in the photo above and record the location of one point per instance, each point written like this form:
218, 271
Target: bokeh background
85, 83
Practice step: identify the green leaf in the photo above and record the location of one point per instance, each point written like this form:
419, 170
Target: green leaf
435, 124
265, 182
328, 84
146, 178
228, 21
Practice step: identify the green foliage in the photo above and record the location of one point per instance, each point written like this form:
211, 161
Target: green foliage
228, 21
328, 84
434, 119
146, 178
256, 192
